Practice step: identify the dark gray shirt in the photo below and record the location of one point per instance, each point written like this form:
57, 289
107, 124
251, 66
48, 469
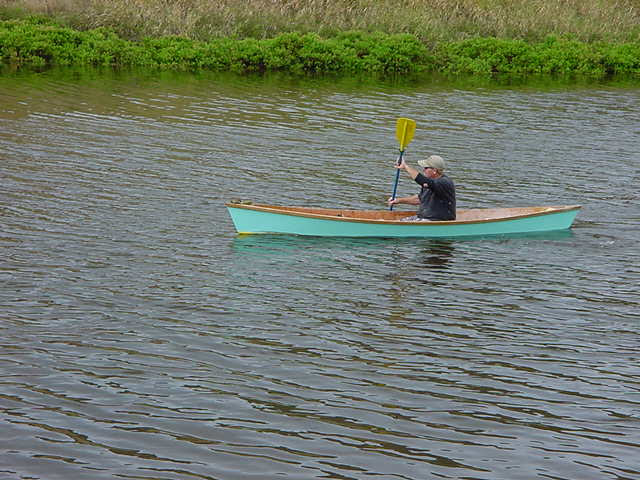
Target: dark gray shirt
437, 198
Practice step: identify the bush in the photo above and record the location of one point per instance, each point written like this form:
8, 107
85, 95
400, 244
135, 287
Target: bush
38, 42
553, 56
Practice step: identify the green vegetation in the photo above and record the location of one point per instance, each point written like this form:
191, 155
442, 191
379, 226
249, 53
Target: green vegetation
589, 37
40, 43
552, 56
431, 21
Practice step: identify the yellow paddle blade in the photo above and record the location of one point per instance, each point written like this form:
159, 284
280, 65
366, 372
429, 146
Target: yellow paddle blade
404, 131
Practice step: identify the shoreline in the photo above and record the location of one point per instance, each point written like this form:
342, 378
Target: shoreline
40, 42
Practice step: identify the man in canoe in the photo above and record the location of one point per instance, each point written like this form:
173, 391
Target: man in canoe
437, 197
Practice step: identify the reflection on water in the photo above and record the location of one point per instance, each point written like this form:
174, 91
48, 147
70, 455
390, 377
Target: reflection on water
266, 243
434, 253
142, 338
438, 253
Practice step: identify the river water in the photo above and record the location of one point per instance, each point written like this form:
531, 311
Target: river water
142, 339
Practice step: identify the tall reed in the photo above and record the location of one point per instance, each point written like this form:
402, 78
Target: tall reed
431, 21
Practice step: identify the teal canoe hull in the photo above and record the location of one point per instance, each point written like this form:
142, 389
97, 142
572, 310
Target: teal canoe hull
255, 219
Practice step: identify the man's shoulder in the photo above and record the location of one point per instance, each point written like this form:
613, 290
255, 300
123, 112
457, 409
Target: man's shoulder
444, 179
421, 179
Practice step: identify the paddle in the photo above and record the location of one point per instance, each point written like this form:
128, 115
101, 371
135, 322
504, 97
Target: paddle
404, 133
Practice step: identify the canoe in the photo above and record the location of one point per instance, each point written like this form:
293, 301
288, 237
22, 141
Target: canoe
249, 218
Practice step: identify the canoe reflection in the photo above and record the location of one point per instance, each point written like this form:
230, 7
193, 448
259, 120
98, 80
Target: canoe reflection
442, 248
281, 244
438, 253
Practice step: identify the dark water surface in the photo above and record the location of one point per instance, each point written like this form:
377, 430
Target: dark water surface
142, 339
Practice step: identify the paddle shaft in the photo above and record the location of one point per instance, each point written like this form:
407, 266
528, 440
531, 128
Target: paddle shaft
395, 184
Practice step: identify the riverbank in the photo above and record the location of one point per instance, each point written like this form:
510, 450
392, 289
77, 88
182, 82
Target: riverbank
41, 42
431, 21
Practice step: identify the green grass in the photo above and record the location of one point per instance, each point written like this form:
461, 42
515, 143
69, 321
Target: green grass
590, 37
431, 21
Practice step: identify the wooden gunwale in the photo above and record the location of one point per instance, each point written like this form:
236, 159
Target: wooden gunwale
342, 215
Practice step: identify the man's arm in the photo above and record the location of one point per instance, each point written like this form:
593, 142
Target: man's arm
412, 200
413, 173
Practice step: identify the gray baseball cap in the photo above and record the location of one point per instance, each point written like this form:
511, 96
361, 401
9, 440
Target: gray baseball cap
434, 161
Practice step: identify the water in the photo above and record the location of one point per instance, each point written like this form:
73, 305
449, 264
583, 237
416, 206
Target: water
141, 338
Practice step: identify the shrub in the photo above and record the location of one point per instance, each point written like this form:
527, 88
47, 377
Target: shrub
39, 42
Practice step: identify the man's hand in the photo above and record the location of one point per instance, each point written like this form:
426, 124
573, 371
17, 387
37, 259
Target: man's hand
402, 165
393, 201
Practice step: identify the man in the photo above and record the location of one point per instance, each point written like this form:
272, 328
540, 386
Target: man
437, 198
